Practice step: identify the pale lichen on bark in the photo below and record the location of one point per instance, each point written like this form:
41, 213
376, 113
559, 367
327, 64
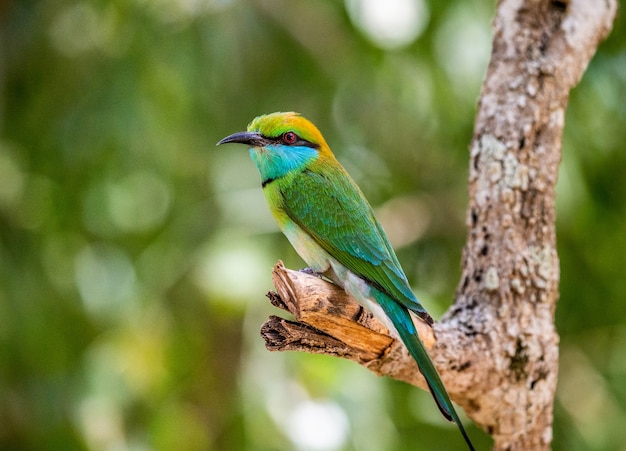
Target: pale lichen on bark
497, 347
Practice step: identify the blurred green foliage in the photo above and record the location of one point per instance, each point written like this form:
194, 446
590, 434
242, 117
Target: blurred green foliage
134, 255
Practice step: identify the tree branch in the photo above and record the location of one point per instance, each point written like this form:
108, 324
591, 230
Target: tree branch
497, 347
328, 321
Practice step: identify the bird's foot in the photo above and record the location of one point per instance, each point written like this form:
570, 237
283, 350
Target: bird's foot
313, 272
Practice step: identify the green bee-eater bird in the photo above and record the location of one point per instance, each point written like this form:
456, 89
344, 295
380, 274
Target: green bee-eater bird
331, 225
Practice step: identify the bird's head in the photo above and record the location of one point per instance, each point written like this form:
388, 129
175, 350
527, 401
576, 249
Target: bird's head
279, 129
280, 143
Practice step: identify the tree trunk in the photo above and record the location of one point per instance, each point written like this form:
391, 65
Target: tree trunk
497, 347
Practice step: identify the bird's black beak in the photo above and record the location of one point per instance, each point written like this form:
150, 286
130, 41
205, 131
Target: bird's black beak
250, 138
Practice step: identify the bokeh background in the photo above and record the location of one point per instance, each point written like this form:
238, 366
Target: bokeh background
135, 255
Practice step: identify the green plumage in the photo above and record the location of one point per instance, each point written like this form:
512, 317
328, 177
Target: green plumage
410, 338
325, 202
331, 225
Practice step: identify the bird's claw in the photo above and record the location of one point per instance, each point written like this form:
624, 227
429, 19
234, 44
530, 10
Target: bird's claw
312, 272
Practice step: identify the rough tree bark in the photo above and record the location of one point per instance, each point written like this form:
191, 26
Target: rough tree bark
497, 347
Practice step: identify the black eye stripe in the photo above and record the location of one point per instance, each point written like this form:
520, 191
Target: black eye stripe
299, 141
303, 142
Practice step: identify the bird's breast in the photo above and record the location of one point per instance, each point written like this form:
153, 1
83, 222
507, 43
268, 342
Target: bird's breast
306, 247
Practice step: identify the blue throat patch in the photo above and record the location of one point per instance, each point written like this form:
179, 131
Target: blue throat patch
276, 160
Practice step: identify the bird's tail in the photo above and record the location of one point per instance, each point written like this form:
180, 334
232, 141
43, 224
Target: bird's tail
401, 319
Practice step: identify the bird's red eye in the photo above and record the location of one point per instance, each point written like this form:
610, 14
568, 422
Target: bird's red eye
290, 138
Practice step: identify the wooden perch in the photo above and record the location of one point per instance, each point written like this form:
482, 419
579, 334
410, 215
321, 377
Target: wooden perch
497, 347
328, 321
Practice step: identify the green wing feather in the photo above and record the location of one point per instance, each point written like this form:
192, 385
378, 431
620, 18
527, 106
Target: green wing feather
330, 207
